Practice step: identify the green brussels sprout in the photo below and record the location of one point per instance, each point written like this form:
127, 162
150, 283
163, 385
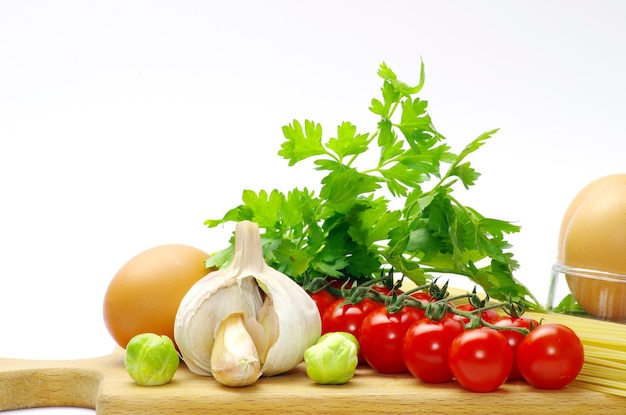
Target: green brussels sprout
150, 359
332, 360
347, 335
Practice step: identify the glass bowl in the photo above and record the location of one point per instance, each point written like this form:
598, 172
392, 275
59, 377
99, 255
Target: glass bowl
596, 294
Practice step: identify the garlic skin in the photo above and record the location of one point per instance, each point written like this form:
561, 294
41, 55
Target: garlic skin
235, 360
280, 317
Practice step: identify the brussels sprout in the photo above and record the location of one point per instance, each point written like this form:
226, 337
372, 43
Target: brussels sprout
151, 359
347, 335
332, 360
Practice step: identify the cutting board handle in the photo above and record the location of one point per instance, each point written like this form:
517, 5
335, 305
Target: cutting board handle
52, 383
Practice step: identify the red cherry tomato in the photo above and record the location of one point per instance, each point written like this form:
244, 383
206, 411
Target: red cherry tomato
382, 335
338, 283
488, 315
515, 337
339, 316
322, 299
422, 296
426, 298
386, 291
550, 356
480, 359
425, 348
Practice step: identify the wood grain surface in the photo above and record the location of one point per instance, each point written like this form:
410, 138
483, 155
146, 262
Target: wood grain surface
102, 383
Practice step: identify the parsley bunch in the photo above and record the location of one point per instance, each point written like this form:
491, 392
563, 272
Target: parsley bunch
349, 230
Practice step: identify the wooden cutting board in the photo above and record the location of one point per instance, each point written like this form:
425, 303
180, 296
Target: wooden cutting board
102, 383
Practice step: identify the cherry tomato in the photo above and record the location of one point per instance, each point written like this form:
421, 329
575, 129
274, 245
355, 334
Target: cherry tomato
480, 359
425, 348
322, 300
550, 356
422, 296
515, 337
488, 315
339, 316
382, 334
426, 298
338, 283
347, 317
386, 291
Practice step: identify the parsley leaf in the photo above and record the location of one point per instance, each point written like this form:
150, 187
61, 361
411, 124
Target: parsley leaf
348, 142
302, 143
343, 185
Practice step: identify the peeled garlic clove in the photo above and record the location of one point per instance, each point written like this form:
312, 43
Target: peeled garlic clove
234, 358
280, 317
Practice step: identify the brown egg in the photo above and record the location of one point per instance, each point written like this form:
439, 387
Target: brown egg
598, 184
144, 295
595, 239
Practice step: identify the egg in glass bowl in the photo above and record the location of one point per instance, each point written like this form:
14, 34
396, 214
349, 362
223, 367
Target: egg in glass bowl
589, 275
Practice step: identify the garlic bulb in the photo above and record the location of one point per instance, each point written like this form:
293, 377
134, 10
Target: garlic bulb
280, 318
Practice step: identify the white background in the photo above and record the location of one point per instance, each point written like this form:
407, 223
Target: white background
124, 125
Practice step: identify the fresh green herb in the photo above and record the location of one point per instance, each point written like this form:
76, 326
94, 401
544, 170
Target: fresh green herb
350, 229
568, 305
